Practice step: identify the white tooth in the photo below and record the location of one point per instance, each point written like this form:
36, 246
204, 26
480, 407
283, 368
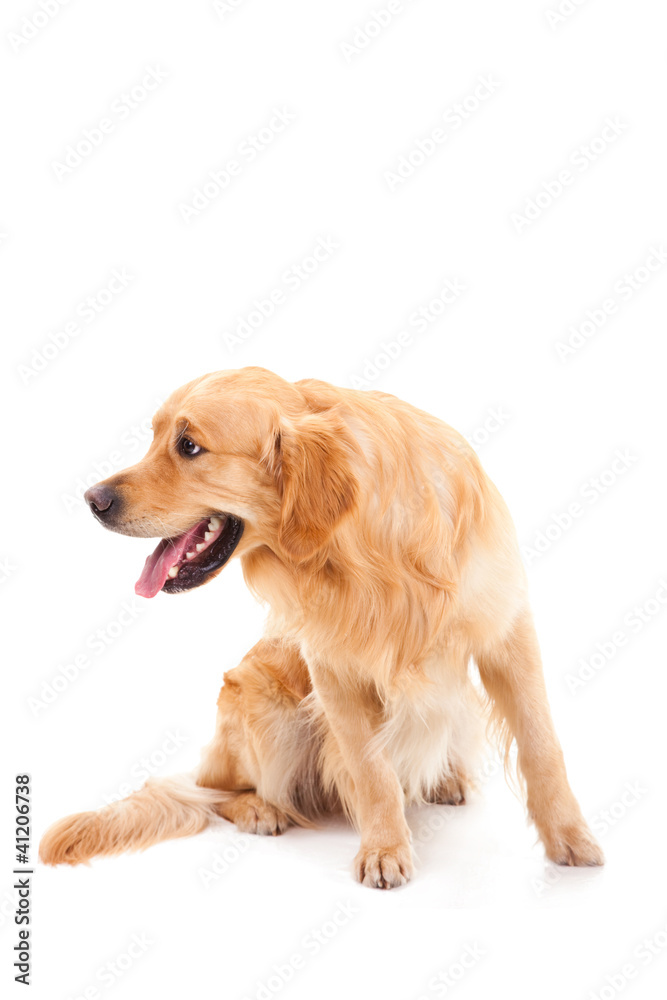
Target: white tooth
200, 547
214, 523
173, 572
208, 535
190, 555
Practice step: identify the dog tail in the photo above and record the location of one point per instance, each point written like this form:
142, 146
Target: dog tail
163, 809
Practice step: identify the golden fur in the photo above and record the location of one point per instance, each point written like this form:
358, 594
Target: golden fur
388, 560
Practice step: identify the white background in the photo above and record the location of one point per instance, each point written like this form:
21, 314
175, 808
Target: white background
482, 883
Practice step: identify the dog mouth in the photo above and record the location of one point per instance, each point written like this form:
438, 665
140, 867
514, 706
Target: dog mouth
188, 560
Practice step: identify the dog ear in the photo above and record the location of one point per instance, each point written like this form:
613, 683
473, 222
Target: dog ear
311, 464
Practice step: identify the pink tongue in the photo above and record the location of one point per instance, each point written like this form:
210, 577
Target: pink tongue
168, 552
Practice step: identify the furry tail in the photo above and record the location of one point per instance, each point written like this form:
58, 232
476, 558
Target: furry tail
163, 809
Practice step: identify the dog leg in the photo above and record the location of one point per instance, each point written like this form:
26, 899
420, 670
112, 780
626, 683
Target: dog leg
373, 793
245, 808
260, 741
512, 675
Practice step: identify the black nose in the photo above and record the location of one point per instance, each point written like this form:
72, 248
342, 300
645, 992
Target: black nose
99, 499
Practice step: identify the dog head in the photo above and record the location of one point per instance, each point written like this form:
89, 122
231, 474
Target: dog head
239, 459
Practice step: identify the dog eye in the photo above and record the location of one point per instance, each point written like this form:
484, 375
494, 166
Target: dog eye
188, 447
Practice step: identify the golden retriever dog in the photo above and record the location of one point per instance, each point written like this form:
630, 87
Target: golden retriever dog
389, 563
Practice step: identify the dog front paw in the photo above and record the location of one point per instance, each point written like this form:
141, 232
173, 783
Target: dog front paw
384, 867
573, 845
